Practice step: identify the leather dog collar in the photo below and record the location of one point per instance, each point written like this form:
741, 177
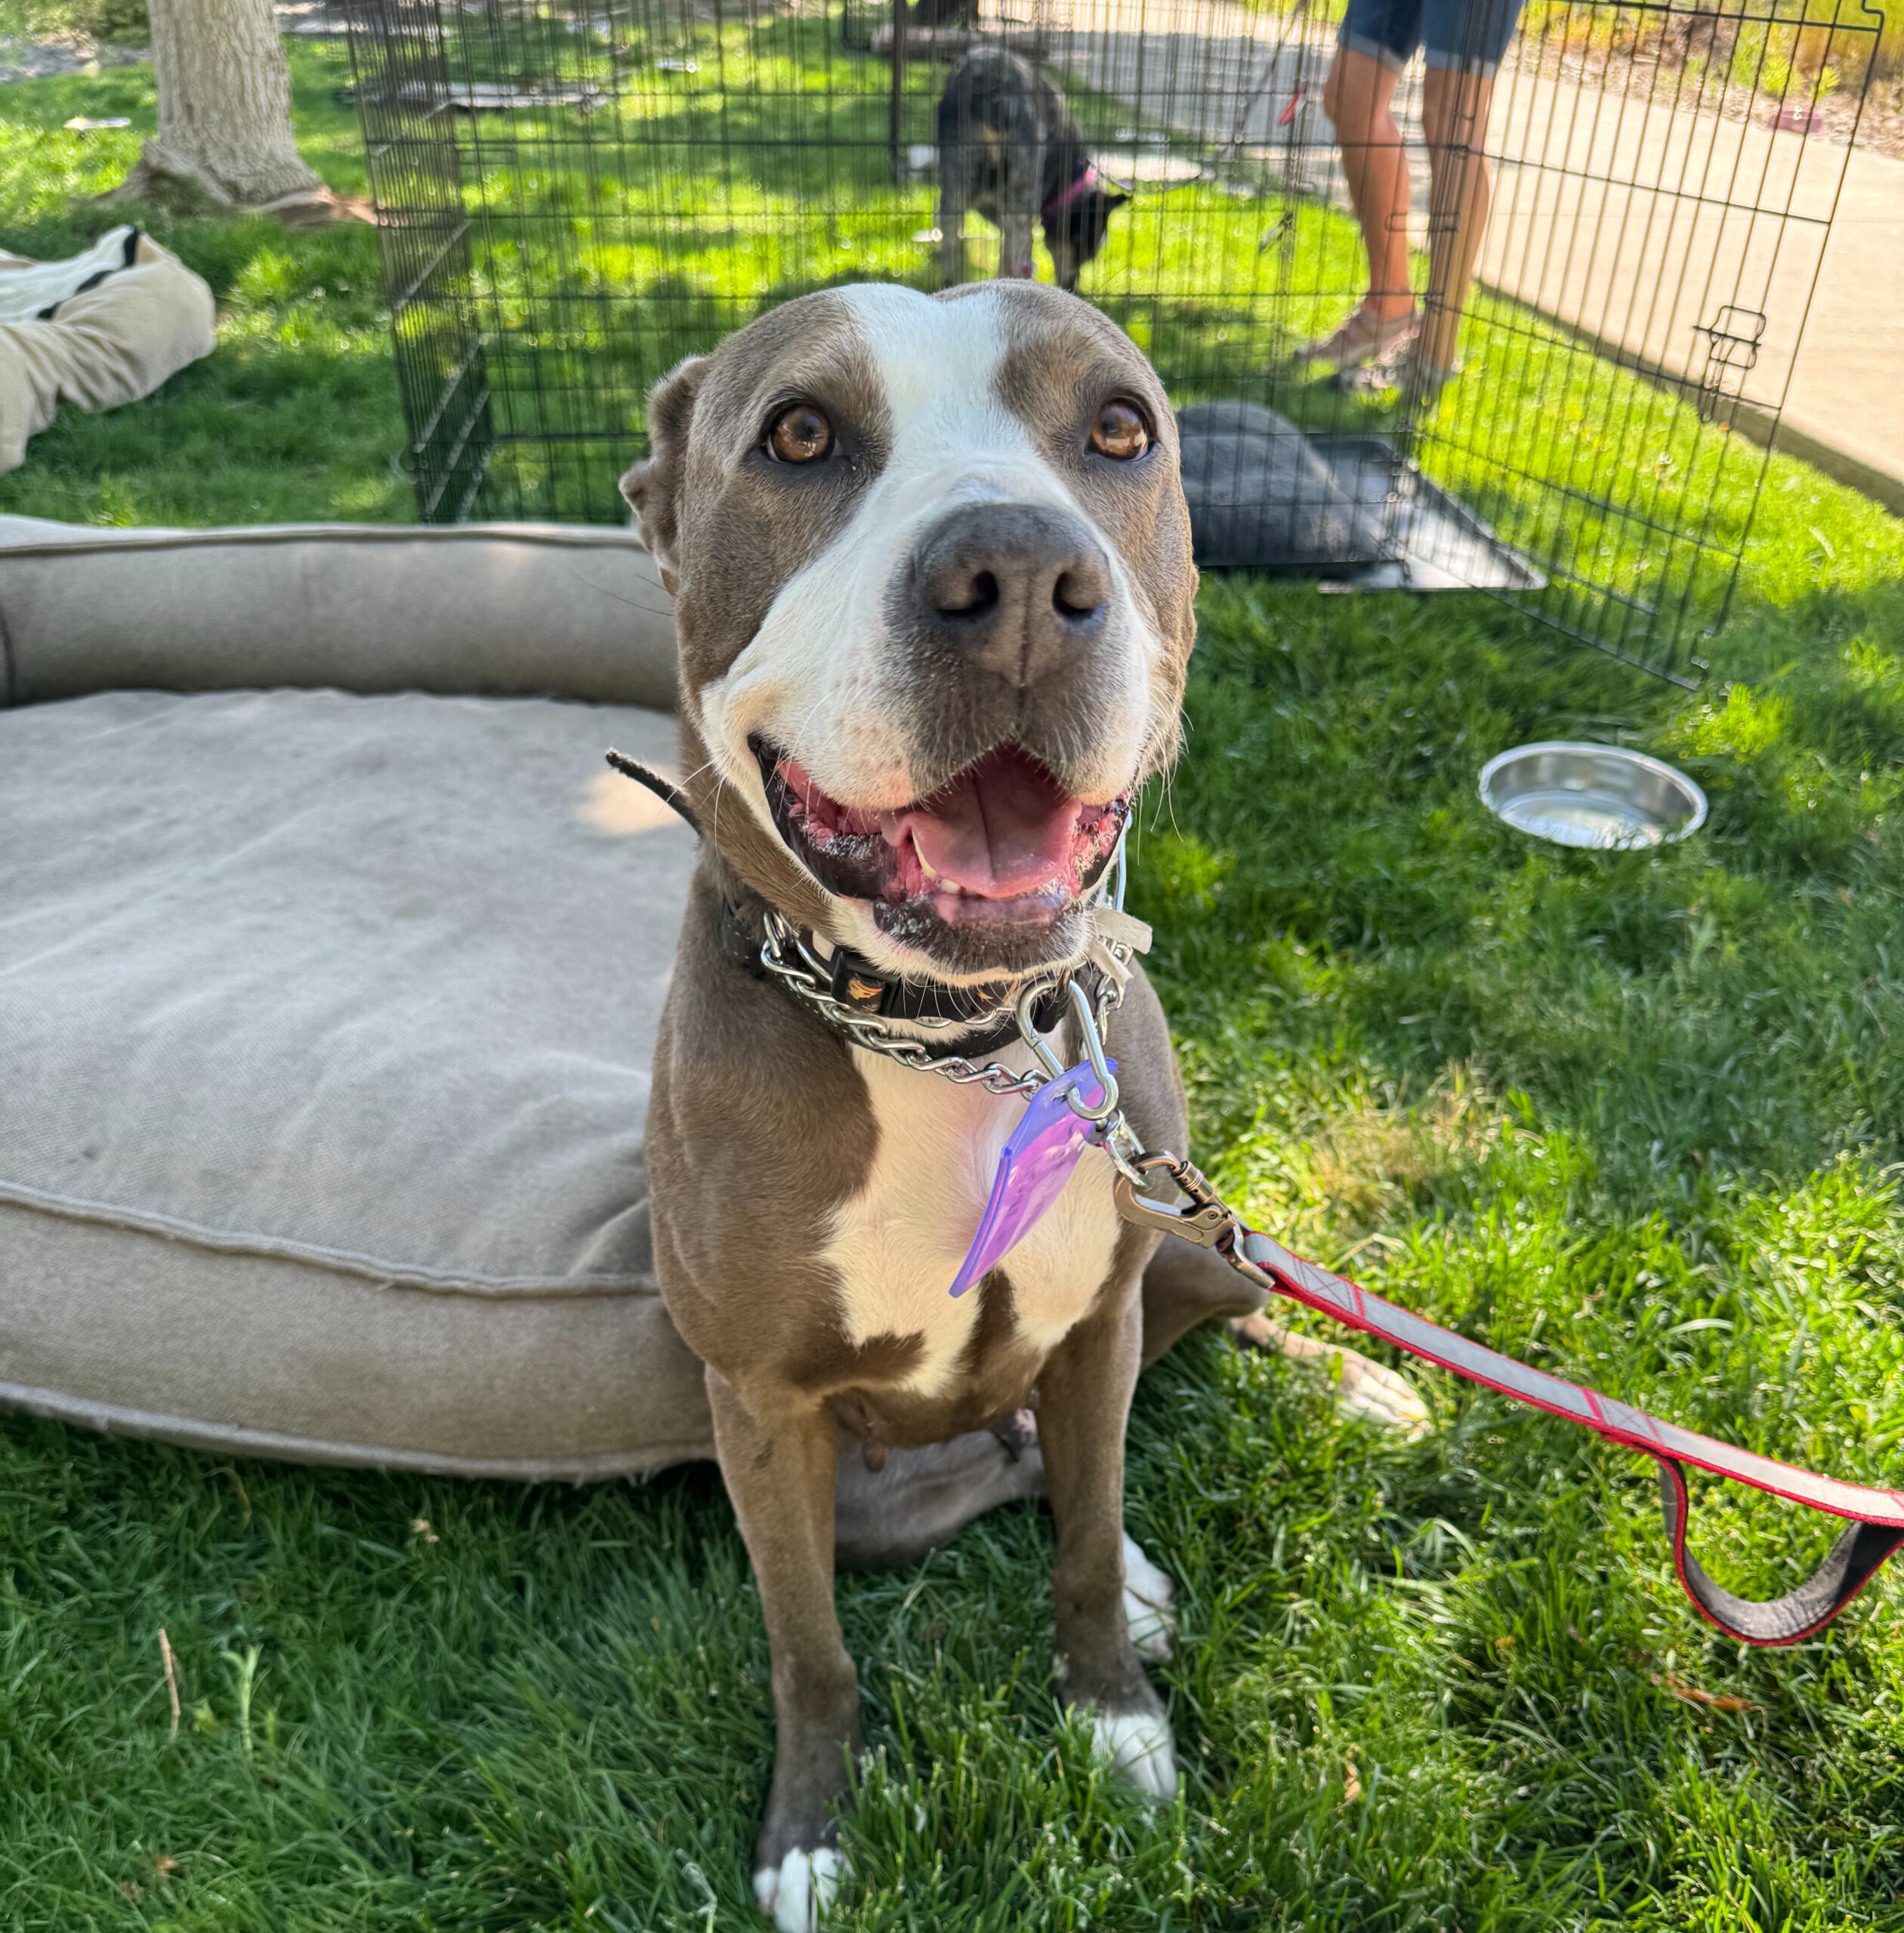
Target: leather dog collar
969, 1020
979, 1019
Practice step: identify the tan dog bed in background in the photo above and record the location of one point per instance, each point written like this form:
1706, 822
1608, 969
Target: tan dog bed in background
104, 328
331, 960
326, 1013
556, 610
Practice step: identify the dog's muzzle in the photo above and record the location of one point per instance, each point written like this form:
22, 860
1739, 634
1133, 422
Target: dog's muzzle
1010, 677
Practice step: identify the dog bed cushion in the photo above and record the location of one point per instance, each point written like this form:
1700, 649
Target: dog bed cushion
326, 1023
575, 612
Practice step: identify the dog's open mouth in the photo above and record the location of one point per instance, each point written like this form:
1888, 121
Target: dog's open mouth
1002, 845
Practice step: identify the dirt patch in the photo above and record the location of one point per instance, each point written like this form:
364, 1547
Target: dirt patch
42, 56
1651, 70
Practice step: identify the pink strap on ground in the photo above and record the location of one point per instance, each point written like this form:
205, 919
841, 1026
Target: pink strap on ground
1877, 1516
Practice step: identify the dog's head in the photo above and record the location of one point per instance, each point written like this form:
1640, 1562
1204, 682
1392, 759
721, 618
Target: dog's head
931, 569
1076, 234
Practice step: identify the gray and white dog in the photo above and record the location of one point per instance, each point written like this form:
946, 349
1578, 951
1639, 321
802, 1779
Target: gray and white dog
932, 576
931, 570
1008, 147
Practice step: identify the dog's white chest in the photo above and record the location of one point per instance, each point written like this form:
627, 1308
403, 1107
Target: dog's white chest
898, 1242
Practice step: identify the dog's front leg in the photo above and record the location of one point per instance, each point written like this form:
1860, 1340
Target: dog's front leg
780, 1470
1018, 217
1085, 1401
952, 220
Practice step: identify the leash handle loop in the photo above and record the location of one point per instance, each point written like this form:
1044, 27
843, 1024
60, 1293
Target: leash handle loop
1850, 1564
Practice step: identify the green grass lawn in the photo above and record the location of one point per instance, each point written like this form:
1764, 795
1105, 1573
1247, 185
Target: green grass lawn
1637, 1117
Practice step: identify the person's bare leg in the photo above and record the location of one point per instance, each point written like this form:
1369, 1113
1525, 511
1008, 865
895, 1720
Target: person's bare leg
1358, 97
1454, 117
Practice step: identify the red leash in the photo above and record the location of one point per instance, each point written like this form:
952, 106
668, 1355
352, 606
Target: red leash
1876, 1517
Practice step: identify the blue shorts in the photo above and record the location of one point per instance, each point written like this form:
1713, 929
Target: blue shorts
1471, 35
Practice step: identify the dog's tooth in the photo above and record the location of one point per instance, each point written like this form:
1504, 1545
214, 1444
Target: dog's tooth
937, 881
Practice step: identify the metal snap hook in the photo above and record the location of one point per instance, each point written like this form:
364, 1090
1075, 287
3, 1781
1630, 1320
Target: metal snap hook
1029, 996
1105, 1105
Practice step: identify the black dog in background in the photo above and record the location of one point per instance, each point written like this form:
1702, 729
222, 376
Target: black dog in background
1008, 147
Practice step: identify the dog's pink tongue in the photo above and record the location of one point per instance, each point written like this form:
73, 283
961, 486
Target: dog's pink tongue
1002, 828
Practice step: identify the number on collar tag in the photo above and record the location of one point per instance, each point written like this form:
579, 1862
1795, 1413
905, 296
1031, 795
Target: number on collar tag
1037, 1162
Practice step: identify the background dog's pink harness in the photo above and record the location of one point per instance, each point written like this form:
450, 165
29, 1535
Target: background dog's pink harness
1063, 199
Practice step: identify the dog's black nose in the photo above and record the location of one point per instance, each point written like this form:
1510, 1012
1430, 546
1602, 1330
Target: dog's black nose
1020, 588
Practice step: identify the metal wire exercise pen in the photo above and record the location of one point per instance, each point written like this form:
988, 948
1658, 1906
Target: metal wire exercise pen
574, 194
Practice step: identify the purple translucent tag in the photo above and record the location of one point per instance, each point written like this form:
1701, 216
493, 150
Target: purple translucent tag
1032, 1171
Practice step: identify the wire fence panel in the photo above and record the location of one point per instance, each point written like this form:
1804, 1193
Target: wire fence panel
401, 77
574, 197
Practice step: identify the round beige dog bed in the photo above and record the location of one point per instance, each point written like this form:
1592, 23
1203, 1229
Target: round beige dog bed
330, 958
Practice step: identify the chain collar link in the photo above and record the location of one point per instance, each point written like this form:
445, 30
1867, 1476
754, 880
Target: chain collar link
786, 959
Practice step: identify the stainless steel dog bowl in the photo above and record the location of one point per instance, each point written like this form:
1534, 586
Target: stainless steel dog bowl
1592, 795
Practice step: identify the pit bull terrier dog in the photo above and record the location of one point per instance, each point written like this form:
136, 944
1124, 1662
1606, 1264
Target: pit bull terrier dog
1008, 147
932, 575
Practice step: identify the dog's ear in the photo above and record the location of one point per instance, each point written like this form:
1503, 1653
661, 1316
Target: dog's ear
653, 488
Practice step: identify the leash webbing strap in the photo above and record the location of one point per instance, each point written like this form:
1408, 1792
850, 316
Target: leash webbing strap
669, 794
1876, 1516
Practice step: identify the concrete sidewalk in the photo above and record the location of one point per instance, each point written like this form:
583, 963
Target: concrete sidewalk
1695, 245
1688, 242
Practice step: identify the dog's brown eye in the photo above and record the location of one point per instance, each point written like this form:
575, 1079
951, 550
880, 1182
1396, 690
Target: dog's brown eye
1120, 431
799, 435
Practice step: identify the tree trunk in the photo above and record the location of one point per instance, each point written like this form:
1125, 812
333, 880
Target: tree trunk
224, 111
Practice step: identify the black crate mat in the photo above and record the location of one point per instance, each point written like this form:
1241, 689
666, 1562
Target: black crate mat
1350, 509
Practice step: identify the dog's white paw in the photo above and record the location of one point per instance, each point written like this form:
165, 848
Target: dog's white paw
1138, 1746
1364, 1389
1150, 1604
797, 1895
1367, 1390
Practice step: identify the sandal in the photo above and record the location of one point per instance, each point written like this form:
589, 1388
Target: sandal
1360, 338
1400, 367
